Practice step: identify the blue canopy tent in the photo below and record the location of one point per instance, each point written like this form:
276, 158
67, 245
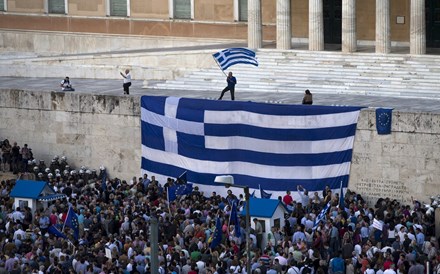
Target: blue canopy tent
28, 193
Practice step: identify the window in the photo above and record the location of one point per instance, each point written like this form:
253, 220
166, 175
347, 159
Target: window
22, 204
2, 5
277, 223
182, 9
242, 10
118, 8
57, 6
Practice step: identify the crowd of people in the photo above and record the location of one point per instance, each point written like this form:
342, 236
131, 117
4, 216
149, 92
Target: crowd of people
114, 229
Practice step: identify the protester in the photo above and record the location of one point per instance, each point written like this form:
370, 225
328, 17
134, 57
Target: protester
127, 81
308, 98
231, 81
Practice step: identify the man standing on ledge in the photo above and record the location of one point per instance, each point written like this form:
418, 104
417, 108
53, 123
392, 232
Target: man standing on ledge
127, 81
232, 81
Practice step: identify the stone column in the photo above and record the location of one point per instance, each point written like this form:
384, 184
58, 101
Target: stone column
316, 25
418, 27
383, 33
284, 29
349, 37
255, 39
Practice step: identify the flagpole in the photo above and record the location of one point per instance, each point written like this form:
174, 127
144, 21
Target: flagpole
219, 66
168, 200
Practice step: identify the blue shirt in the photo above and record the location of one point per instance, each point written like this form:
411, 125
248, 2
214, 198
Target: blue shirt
337, 265
420, 237
231, 81
298, 236
364, 232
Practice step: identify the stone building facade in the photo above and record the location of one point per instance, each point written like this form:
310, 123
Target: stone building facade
349, 23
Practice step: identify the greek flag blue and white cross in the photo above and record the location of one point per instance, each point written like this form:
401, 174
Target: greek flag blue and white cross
233, 56
272, 145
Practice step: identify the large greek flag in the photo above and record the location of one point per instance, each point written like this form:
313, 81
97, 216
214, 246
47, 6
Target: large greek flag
275, 146
233, 56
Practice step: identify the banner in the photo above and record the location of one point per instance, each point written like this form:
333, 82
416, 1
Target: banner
272, 145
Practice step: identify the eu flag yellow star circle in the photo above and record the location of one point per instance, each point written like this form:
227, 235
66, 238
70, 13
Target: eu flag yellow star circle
384, 119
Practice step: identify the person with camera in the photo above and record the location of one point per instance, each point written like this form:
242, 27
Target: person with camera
127, 81
66, 85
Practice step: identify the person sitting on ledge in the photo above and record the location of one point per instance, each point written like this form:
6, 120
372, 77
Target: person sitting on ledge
66, 85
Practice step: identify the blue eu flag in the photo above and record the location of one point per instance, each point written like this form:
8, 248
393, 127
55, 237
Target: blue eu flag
233, 220
54, 230
218, 233
72, 222
383, 120
179, 190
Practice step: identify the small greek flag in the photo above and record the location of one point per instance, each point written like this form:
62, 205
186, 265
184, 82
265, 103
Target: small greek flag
321, 215
264, 194
233, 56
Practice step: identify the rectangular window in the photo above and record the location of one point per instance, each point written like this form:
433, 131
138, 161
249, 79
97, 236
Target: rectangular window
118, 8
22, 204
277, 223
182, 9
57, 6
242, 10
2, 5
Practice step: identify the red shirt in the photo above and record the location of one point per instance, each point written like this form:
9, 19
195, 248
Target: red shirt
287, 199
387, 264
53, 219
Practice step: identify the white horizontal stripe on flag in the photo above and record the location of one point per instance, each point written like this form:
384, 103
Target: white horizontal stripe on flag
250, 169
281, 122
173, 123
280, 147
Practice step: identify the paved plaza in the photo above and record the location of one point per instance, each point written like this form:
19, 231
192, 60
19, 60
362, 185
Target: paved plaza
114, 87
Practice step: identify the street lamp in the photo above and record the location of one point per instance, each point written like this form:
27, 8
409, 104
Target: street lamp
228, 181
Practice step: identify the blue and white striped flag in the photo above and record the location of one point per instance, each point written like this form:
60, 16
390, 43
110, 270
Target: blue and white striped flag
272, 145
233, 56
321, 215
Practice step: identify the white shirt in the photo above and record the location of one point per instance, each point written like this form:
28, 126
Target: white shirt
127, 78
389, 271
19, 232
17, 216
293, 270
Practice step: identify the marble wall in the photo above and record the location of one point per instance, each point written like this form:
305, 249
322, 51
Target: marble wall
402, 164
96, 129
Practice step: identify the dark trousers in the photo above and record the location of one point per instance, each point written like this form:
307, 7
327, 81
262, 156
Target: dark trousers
127, 87
231, 89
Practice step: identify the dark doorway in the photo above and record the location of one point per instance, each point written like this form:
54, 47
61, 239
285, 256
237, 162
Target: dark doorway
332, 21
432, 23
